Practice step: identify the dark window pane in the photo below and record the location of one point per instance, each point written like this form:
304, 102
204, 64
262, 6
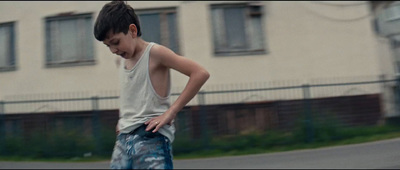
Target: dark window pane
7, 45
150, 25
235, 27
69, 40
4, 46
219, 29
173, 42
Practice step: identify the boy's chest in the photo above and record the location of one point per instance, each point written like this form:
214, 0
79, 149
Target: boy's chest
129, 64
152, 66
158, 74
155, 70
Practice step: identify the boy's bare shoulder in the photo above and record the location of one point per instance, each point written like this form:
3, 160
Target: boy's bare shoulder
160, 49
161, 52
166, 57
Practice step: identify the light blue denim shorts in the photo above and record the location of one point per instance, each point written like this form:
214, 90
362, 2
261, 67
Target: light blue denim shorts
142, 149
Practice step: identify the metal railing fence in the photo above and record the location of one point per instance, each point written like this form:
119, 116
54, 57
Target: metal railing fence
215, 111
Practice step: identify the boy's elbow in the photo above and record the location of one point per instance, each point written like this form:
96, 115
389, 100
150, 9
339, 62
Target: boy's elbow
205, 74
200, 75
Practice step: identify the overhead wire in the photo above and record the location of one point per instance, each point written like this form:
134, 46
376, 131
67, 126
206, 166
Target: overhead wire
336, 19
339, 5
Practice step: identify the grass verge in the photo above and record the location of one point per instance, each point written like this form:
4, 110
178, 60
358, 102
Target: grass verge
355, 140
254, 143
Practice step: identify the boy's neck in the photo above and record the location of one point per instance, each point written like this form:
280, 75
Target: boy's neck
139, 49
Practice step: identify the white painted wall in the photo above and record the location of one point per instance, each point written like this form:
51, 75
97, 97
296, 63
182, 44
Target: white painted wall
305, 40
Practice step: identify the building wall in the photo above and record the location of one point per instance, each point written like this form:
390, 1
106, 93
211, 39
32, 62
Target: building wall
304, 41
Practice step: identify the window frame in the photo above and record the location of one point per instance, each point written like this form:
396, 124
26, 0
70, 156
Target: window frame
12, 65
78, 62
164, 33
229, 51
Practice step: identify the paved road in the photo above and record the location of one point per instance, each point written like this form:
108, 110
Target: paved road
374, 155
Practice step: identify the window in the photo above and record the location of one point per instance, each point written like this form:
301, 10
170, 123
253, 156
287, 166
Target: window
160, 26
7, 47
69, 40
395, 45
237, 29
392, 13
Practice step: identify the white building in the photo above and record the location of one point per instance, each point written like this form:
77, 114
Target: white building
48, 48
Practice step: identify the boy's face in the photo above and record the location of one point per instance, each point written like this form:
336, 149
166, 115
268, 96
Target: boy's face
121, 44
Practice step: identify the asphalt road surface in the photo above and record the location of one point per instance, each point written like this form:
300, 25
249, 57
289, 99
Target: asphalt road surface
374, 155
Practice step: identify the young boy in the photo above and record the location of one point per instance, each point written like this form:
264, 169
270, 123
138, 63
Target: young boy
145, 127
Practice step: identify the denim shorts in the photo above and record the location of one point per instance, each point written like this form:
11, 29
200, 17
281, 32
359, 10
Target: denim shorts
142, 149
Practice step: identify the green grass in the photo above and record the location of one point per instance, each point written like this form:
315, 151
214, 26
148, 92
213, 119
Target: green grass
60, 145
325, 135
260, 150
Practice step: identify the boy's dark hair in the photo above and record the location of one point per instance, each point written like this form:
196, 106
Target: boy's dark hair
115, 16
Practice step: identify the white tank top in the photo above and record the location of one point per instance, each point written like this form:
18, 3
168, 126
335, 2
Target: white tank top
138, 100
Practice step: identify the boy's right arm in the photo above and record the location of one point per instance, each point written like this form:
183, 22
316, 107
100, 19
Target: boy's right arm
197, 77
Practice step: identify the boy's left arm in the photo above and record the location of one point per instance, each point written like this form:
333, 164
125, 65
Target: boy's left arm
197, 77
